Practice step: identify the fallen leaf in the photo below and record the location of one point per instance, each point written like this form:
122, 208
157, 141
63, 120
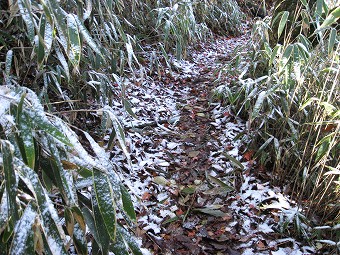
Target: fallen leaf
161, 180
261, 245
146, 196
192, 233
179, 212
213, 212
248, 155
193, 154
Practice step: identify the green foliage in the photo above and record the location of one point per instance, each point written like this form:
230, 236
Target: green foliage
289, 92
46, 176
220, 16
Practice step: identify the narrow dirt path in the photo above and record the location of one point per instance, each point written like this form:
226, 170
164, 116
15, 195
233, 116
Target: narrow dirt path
196, 188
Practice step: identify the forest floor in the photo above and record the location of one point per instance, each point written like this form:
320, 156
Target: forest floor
195, 186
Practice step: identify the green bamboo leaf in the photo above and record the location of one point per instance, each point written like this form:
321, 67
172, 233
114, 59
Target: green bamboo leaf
25, 136
79, 240
308, 102
48, 38
332, 40
128, 108
288, 52
127, 203
131, 242
275, 51
103, 238
234, 161
63, 178
46, 126
74, 40
26, 143
331, 18
4, 213
304, 2
69, 221
119, 131
104, 196
50, 221
119, 246
23, 241
27, 16
324, 145
329, 108
62, 61
283, 22
222, 184
40, 48
318, 9
58, 17
87, 37
294, 133
94, 227
258, 104
263, 146
10, 179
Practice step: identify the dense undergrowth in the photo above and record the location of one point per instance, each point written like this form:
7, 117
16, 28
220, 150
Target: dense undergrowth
63, 63
288, 89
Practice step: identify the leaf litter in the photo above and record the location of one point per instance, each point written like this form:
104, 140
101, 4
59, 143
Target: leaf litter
195, 187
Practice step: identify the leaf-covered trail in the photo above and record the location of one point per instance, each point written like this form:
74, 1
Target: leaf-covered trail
197, 189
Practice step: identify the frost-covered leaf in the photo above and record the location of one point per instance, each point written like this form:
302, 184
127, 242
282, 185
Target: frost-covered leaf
53, 231
87, 36
258, 105
79, 240
25, 137
10, 177
63, 178
8, 63
127, 203
62, 61
23, 238
129, 240
98, 226
47, 127
27, 15
74, 52
79, 217
106, 204
119, 131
